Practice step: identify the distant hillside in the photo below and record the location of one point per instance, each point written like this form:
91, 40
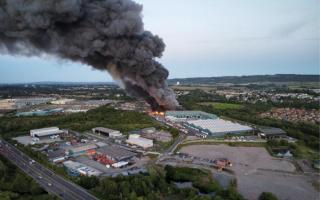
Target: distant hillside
60, 83
247, 79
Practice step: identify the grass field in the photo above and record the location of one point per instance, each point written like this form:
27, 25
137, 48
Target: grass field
301, 86
223, 106
190, 88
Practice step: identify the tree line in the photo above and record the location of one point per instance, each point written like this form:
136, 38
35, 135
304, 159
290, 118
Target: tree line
15, 185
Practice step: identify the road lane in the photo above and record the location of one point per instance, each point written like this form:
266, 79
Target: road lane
58, 185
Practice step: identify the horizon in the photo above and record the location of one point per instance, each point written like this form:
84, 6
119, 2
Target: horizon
115, 83
141, 99
215, 39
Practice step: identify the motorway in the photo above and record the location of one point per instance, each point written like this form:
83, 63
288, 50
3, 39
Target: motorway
47, 179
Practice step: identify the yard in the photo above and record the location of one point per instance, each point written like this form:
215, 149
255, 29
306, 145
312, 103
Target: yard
256, 171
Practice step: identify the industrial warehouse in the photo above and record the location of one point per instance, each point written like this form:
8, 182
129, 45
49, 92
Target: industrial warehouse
206, 124
76, 169
182, 116
137, 140
101, 152
107, 132
45, 132
217, 127
114, 156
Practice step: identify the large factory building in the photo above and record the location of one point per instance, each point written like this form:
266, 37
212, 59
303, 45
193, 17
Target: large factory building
114, 156
217, 127
46, 132
206, 124
137, 140
107, 132
181, 116
88, 149
76, 169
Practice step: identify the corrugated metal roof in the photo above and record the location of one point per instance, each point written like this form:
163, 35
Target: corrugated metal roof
115, 152
142, 142
272, 131
45, 131
106, 130
219, 126
83, 148
191, 114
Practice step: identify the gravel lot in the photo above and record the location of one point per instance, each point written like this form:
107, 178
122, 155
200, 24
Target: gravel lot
257, 172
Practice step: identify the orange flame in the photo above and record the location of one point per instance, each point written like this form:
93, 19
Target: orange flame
157, 113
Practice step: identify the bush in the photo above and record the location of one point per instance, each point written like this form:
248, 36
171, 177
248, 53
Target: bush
205, 187
88, 182
267, 196
183, 174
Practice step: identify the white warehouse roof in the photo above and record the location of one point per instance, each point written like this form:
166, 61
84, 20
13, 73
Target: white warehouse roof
219, 126
45, 132
135, 139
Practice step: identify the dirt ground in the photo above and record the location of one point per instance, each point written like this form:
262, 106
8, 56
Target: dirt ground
256, 172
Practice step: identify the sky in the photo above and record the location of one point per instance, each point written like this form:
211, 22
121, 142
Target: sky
207, 38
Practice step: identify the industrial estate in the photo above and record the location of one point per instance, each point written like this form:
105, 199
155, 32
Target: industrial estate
103, 151
146, 135
81, 140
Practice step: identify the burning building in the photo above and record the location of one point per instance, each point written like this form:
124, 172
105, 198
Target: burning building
106, 34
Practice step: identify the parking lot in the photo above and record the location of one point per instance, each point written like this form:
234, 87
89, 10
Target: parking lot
138, 164
257, 171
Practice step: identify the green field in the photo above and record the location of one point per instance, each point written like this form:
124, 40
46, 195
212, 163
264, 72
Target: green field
303, 86
222, 106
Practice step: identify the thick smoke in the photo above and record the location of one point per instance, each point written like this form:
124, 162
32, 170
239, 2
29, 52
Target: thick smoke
105, 34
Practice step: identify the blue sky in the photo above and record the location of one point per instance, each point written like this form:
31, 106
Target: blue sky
207, 38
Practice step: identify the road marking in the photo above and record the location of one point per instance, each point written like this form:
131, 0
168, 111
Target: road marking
22, 157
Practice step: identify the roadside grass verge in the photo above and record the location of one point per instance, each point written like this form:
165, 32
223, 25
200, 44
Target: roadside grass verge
232, 144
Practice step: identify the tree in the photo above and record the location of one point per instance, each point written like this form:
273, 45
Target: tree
35, 189
8, 195
88, 182
133, 196
21, 184
218, 198
3, 169
108, 187
232, 194
125, 189
267, 196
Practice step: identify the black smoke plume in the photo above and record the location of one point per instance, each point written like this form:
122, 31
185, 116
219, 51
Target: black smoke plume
105, 34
